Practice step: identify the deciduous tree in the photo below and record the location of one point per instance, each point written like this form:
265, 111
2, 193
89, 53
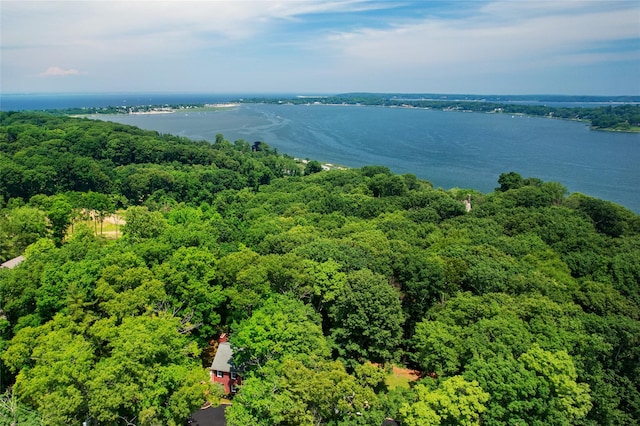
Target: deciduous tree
367, 318
453, 401
281, 328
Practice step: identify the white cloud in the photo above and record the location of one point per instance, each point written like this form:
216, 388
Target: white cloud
146, 23
509, 33
126, 39
58, 72
144, 44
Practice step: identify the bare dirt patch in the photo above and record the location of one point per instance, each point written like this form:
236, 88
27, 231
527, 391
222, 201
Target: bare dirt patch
411, 375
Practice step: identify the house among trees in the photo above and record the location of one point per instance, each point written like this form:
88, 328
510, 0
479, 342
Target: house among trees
222, 369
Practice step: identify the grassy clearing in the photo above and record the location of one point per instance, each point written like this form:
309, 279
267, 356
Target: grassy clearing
392, 381
401, 377
111, 226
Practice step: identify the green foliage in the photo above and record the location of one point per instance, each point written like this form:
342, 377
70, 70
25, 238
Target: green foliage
570, 399
383, 185
371, 171
188, 278
147, 374
607, 217
454, 401
141, 369
12, 412
524, 310
19, 228
289, 392
540, 387
511, 180
530, 192
60, 213
367, 319
142, 224
498, 341
312, 167
437, 347
280, 328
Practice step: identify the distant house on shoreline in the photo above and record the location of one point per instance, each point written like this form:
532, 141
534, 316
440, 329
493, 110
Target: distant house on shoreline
222, 368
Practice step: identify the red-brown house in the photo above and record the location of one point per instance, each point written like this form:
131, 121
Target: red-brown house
222, 369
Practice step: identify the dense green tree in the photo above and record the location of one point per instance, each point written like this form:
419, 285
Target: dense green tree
437, 347
290, 393
570, 399
424, 283
148, 374
536, 195
538, 388
312, 167
607, 217
454, 401
245, 285
61, 210
281, 328
20, 227
11, 175
384, 185
367, 319
123, 292
371, 171
188, 278
141, 369
141, 224
54, 362
511, 180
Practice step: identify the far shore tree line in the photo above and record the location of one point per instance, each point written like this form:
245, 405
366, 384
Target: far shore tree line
622, 114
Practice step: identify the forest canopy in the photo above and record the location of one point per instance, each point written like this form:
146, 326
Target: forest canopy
524, 309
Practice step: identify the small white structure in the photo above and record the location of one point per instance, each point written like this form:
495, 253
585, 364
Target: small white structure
467, 203
12, 263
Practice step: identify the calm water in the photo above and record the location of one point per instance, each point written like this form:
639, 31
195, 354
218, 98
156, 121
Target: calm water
450, 149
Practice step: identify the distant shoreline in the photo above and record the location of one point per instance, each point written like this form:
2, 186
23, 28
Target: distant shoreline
612, 113
632, 129
154, 110
589, 115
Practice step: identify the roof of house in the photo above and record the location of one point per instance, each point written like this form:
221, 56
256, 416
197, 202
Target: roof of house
12, 263
222, 360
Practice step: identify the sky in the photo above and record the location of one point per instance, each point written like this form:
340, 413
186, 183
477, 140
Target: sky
321, 46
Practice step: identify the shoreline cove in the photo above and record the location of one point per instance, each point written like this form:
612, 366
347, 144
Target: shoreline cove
164, 109
449, 150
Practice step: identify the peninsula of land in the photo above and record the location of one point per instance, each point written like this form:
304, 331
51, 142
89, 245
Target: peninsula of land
618, 114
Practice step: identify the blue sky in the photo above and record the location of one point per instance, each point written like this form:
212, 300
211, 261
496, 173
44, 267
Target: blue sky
316, 47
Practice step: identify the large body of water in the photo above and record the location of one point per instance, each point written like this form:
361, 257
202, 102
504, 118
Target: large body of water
450, 149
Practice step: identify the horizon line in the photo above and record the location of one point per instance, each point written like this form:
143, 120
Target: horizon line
315, 94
